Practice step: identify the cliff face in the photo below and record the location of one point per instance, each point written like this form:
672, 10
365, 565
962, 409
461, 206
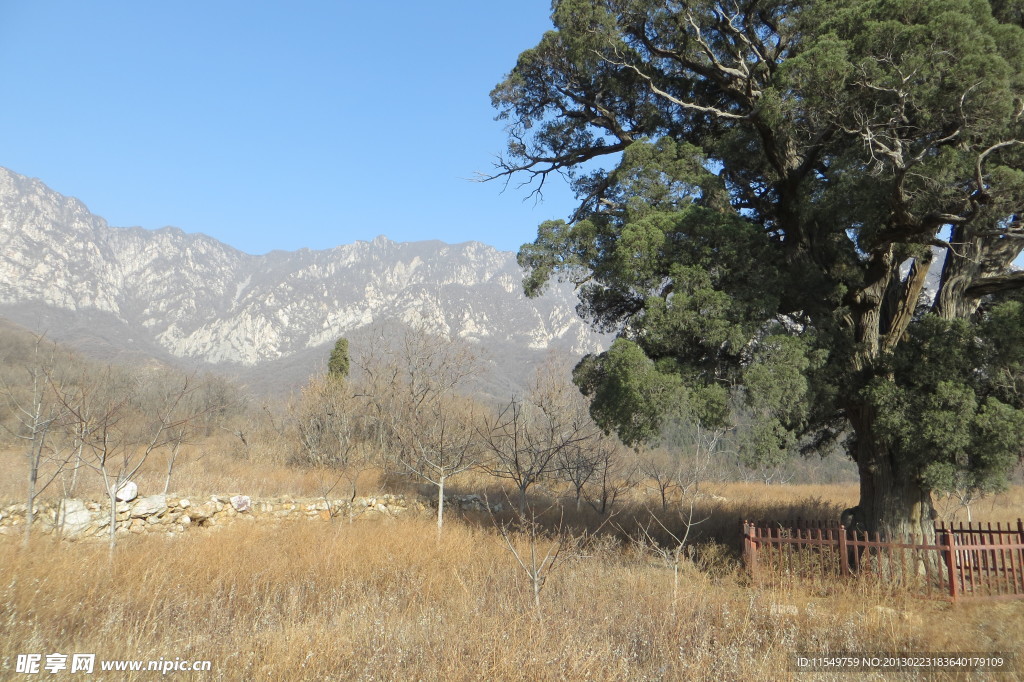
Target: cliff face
189, 297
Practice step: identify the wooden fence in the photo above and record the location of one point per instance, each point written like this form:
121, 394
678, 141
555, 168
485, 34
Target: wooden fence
972, 562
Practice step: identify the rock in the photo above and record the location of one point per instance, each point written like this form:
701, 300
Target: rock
184, 503
74, 517
203, 511
127, 492
241, 503
149, 505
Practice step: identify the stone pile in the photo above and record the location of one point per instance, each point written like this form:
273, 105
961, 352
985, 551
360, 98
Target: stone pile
74, 518
171, 514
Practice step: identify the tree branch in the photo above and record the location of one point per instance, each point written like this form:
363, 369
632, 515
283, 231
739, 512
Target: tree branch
995, 285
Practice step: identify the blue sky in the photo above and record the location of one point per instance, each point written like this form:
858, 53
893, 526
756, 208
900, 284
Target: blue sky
272, 125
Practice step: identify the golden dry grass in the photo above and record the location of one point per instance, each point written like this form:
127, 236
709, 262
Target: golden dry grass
385, 601
202, 469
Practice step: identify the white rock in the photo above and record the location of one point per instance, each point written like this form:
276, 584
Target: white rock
74, 516
184, 503
241, 503
127, 492
149, 505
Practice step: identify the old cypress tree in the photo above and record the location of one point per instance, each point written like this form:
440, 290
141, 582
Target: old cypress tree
765, 186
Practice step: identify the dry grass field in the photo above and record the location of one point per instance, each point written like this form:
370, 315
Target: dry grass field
387, 600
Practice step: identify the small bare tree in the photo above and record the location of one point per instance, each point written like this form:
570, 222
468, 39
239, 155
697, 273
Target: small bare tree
438, 440
683, 460
530, 438
536, 562
672, 552
331, 429
662, 472
539, 552
118, 437
38, 425
577, 465
614, 475
412, 385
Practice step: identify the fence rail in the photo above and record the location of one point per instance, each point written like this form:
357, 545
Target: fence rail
972, 562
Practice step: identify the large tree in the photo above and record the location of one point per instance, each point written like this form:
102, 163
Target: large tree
764, 188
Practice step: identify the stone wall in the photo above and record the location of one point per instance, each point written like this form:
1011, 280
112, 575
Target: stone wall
74, 518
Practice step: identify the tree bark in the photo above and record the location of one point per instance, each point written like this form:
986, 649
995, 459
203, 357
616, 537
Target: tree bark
440, 506
893, 501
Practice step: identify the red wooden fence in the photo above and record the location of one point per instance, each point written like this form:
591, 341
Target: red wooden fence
972, 562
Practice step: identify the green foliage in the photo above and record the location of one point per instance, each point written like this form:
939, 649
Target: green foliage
629, 391
943, 412
338, 364
775, 168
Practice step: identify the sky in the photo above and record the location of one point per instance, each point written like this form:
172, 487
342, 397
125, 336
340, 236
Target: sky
273, 125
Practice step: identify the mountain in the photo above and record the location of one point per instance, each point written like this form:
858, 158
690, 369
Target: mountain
190, 300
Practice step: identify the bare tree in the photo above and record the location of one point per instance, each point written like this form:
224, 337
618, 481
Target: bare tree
672, 552
614, 475
529, 438
438, 440
539, 552
331, 432
428, 430
116, 435
536, 562
662, 473
38, 420
577, 465
684, 460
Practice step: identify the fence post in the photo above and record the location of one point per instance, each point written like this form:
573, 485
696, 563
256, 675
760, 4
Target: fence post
749, 548
951, 564
844, 553
1020, 552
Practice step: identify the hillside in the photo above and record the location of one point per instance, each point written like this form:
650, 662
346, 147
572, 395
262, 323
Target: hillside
269, 319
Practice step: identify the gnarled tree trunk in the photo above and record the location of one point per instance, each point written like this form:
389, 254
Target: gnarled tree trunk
894, 503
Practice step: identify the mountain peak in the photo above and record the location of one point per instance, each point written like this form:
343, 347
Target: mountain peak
192, 298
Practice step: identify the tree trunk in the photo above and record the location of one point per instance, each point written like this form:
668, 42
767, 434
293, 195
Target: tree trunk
894, 504
440, 506
891, 504
893, 501
112, 494
30, 509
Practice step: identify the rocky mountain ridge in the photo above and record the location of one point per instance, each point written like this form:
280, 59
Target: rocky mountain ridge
192, 299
